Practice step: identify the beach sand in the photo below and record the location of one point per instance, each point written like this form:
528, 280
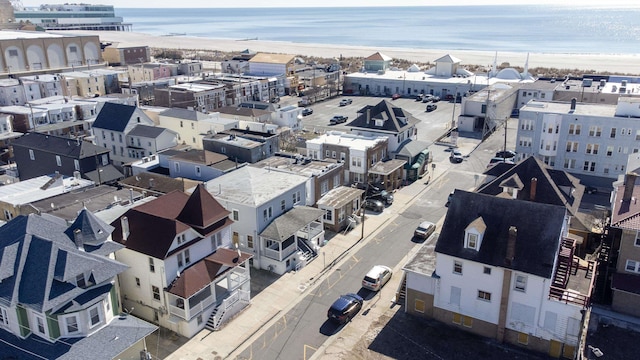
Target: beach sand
591, 63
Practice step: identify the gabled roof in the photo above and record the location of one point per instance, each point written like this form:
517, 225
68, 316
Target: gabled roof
448, 59
204, 272
40, 264
287, 224
63, 146
539, 229
155, 182
153, 226
394, 119
549, 184
114, 116
147, 131
378, 56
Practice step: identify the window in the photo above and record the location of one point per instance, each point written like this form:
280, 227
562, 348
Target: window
521, 283
216, 241
483, 295
595, 131
592, 149
419, 306
32, 156
327, 153
176, 167
572, 146
250, 241
328, 215
156, 292
609, 150
4, 319
296, 197
324, 187
569, 163
283, 205
180, 260
40, 325
457, 318
58, 160
637, 242
523, 338
80, 281
152, 267
235, 214
633, 266
487, 270
637, 135
472, 241
199, 319
180, 238
613, 133
72, 324
94, 316
457, 267
138, 282
13, 53
187, 257
76, 165
589, 166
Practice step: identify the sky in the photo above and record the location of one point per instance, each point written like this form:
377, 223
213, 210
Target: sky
327, 3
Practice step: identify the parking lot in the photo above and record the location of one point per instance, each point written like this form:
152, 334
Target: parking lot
432, 125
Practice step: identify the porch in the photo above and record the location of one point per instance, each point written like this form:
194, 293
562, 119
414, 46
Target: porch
208, 283
574, 278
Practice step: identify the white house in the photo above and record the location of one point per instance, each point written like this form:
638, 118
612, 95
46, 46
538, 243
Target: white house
192, 126
258, 199
508, 275
113, 129
183, 271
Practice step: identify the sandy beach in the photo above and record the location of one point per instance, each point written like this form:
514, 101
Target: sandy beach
592, 63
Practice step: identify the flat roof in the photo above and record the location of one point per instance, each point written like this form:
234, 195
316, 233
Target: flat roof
196, 87
296, 165
582, 109
17, 35
355, 142
28, 191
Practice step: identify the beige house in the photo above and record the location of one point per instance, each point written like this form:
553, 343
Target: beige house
192, 126
625, 284
283, 65
83, 84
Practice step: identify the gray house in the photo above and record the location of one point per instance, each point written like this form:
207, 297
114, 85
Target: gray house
38, 154
243, 145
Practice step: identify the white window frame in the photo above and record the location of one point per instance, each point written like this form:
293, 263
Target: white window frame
4, 319
520, 283
36, 329
153, 293
472, 240
67, 324
632, 266
98, 308
457, 264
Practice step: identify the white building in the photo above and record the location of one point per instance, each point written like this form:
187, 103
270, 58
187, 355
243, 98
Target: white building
587, 139
183, 271
509, 276
259, 200
192, 126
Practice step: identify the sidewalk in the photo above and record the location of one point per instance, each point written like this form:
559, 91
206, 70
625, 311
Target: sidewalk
275, 300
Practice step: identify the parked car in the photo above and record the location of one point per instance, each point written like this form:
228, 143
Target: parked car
507, 154
345, 102
431, 107
591, 190
307, 111
496, 160
456, 156
435, 99
373, 205
375, 192
424, 230
377, 277
338, 119
345, 308
427, 98
419, 97
395, 96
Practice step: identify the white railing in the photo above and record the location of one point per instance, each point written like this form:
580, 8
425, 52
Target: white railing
190, 311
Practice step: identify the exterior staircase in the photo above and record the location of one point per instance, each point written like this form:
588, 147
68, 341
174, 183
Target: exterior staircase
565, 264
401, 294
230, 306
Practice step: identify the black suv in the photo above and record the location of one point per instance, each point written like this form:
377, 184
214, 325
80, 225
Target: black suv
345, 308
338, 119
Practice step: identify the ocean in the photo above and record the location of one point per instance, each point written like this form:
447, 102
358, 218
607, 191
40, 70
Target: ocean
515, 28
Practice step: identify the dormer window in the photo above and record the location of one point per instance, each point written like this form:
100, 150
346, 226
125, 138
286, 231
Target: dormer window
472, 241
473, 234
379, 122
80, 282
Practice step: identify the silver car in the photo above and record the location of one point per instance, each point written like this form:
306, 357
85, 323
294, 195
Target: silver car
377, 277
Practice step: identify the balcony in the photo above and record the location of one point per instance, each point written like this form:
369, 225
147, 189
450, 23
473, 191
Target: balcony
574, 278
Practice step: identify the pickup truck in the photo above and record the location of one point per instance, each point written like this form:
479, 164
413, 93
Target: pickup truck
338, 119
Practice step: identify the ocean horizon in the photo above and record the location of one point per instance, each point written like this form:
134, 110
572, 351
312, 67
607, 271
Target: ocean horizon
513, 28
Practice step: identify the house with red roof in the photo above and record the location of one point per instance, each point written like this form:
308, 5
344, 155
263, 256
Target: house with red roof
185, 272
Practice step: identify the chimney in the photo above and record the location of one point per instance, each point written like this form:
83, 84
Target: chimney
629, 183
368, 116
573, 104
532, 189
77, 238
124, 222
511, 245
